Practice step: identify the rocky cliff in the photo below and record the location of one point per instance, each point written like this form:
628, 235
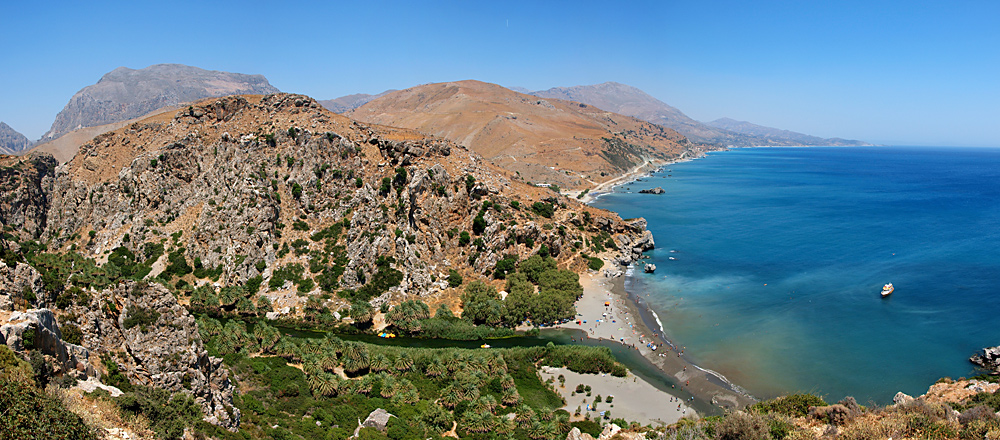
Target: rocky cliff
26, 187
125, 93
12, 142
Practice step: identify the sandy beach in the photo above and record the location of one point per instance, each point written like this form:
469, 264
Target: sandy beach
607, 313
632, 398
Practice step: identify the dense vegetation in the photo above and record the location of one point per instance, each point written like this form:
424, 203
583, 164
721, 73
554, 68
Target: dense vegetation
340, 382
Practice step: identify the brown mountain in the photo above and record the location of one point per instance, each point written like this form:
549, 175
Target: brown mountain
12, 142
543, 140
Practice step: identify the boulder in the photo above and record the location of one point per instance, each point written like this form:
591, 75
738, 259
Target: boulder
575, 434
656, 190
377, 419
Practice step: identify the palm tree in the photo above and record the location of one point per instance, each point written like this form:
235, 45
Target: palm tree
477, 422
524, 416
497, 365
355, 357
450, 396
507, 382
484, 403
435, 368
328, 361
403, 363
365, 384
378, 363
542, 430
504, 425
361, 312
287, 349
510, 397
544, 414
324, 384
389, 385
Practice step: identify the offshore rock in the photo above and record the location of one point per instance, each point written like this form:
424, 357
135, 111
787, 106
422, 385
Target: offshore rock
656, 190
988, 359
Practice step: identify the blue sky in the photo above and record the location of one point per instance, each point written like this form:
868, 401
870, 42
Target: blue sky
894, 72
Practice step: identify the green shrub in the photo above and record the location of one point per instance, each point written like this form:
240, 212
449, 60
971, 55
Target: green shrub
28, 413
543, 209
140, 316
595, 263
454, 278
793, 405
71, 333
742, 426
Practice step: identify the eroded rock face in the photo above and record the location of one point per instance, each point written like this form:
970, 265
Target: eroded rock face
155, 341
26, 184
37, 329
20, 283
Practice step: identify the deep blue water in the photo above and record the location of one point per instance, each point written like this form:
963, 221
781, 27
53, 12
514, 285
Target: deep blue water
780, 254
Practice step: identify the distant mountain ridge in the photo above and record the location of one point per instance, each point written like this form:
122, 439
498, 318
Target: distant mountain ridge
125, 93
775, 135
350, 102
11, 141
631, 101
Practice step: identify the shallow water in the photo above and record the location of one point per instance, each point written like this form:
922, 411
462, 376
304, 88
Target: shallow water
780, 254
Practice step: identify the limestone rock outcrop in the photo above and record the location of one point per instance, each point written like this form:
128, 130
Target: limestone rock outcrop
155, 342
657, 190
37, 329
26, 184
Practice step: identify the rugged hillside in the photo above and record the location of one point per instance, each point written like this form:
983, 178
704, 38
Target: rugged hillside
628, 100
125, 93
251, 204
776, 136
12, 142
543, 140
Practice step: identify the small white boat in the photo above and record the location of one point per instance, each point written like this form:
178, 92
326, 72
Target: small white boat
887, 290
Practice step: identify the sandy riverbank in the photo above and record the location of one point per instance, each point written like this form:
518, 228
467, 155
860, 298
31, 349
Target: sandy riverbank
608, 313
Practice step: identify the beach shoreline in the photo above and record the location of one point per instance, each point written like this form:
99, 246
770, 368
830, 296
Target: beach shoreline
637, 172
607, 311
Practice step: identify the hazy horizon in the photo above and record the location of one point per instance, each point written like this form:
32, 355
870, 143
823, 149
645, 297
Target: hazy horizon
889, 72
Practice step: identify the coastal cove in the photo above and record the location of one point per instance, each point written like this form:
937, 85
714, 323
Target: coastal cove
770, 261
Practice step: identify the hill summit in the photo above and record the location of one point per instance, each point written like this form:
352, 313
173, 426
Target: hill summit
553, 141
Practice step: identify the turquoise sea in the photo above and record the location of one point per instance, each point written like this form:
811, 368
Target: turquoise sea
770, 262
